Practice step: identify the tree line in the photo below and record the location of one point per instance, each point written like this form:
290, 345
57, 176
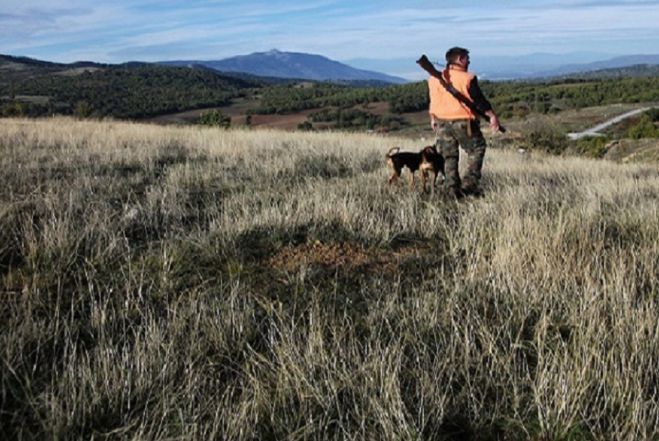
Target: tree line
511, 98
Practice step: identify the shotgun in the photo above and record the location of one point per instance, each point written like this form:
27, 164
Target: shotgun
427, 65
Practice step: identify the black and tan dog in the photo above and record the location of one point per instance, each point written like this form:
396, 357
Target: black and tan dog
428, 160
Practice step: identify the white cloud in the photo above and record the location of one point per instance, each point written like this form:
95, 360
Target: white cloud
120, 30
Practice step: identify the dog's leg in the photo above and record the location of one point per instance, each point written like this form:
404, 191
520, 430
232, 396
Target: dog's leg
395, 175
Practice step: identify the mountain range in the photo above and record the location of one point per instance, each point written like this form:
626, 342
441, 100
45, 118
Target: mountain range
551, 65
275, 66
278, 64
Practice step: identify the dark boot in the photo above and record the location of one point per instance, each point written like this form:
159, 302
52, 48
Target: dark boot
470, 187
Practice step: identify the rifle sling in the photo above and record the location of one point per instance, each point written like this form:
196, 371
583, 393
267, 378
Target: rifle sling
461, 98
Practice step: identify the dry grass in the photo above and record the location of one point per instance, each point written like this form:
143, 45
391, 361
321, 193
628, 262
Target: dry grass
189, 283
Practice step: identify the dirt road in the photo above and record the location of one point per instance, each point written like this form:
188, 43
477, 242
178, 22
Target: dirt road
594, 131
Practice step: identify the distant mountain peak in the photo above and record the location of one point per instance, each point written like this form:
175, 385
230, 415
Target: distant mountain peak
297, 65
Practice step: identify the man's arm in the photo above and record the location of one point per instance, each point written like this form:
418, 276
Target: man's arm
478, 97
482, 103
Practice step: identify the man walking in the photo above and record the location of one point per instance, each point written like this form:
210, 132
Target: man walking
456, 124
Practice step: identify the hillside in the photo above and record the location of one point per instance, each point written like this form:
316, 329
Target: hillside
628, 71
16, 69
134, 90
187, 283
545, 65
622, 62
403, 107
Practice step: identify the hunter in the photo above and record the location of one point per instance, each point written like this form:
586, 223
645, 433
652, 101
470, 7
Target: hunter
456, 124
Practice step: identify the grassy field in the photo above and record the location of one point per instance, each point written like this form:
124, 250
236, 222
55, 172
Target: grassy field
194, 283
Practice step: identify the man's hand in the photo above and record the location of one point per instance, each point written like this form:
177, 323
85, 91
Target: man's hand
494, 121
434, 124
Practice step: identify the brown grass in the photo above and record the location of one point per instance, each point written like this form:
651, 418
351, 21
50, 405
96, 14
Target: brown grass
192, 283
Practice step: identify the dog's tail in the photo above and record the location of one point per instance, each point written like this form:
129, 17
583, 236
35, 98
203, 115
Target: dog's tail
392, 151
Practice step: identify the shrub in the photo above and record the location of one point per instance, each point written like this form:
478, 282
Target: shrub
546, 137
14, 108
214, 118
593, 146
305, 126
645, 128
82, 109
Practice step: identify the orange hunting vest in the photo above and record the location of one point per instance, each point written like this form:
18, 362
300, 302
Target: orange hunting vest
443, 105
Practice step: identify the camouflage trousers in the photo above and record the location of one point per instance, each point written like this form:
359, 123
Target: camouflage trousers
450, 136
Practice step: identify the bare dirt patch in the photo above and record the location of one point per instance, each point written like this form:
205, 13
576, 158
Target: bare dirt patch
284, 122
344, 255
380, 108
75, 71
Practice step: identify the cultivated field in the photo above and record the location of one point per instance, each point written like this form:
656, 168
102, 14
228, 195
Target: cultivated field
192, 283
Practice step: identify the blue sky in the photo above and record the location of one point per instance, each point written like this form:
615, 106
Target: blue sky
150, 30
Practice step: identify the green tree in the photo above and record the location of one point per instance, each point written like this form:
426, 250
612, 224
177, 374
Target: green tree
82, 109
14, 108
214, 118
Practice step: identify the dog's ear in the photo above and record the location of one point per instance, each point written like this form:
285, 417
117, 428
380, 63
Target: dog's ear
429, 150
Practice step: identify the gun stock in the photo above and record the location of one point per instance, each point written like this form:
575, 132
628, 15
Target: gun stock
427, 65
